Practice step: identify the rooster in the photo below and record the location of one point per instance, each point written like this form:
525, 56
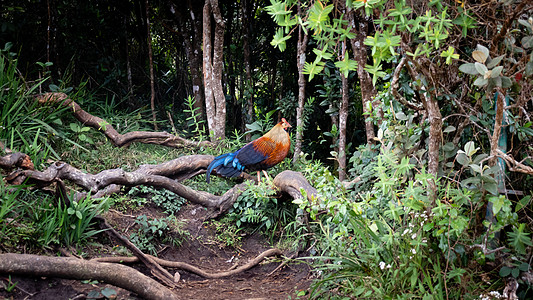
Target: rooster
258, 155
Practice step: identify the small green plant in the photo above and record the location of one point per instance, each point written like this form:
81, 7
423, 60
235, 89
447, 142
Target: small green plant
10, 287
81, 133
227, 233
76, 219
151, 232
193, 120
169, 201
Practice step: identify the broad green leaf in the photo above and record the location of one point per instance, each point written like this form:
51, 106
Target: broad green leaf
462, 159
491, 187
506, 82
497, 204
480, 81
496, 72
449, 129
527, 41
494, 62
505, 271
470, 148
468, 68
481, 68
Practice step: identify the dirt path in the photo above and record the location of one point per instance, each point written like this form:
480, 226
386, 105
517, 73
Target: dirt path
256, 283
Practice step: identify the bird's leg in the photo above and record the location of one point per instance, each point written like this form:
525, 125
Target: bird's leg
268, 178
258, 177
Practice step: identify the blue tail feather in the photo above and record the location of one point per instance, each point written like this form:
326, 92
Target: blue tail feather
226, 165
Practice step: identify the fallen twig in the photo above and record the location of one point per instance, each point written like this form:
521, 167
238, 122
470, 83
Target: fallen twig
191, 268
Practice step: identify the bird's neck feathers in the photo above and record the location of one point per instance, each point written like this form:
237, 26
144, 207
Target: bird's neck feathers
278, 134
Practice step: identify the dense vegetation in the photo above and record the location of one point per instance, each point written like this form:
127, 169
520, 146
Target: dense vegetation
413, 123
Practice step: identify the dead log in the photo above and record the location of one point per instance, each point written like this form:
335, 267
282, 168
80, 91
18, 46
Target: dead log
159, 176
191, 268
69, 267
119, 140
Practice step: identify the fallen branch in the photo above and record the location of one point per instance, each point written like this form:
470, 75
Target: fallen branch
119, 140
514, 166
69, 267
16, 160
190, 268
154, 267
159, 176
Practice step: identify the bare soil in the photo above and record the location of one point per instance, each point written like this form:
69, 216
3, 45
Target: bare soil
198, 249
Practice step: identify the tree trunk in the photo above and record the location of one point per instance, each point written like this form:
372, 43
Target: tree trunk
300, 62
360, 55
343, 118
212, 62
247, 18
151, 65
192, 40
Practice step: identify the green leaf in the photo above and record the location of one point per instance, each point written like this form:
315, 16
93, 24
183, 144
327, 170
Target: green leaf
515, 272
470, 148
313, 68
506, 82
480, 81
468, 68
505, 271
109, 293
496, 72
346, 65
491, 187
318, 15
494, 62
449, 129
497, 203
279, 40
522, 203
481, 68
462, 159
527, 42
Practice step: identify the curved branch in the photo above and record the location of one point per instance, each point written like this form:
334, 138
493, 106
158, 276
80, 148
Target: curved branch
120, 140
16, 160
70, 267
291, 182
191, 268
394, 87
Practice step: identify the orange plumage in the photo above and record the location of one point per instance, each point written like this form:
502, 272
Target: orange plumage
260, 154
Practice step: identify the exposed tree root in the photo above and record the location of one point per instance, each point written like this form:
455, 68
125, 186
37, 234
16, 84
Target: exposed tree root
69, 267
190, 268
148, 261
120, 140
159, 176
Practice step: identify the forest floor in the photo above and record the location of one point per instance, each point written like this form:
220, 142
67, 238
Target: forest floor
264, 281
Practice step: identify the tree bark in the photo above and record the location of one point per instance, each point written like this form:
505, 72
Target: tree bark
300, 62
69, 267
368, 92
212, 67
151, 64
247, 21
343, 119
